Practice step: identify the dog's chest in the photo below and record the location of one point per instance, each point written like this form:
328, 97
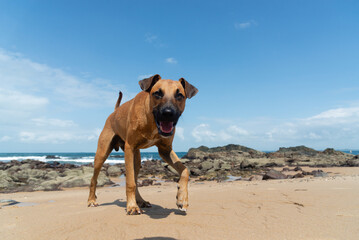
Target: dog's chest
151, 140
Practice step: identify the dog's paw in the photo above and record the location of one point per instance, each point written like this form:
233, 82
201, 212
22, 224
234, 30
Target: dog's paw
182, 200
133, 210
92, 203
182, 207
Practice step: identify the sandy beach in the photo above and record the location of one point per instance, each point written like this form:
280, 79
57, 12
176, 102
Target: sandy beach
309, 208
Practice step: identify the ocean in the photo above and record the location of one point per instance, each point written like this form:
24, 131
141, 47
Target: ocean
76, 158
85, 158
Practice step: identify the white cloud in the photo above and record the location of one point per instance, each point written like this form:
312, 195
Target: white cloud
154, 40
149, 37
232, 133
203, 133
5, 138
16, 106
15, 100
141, 77
55, 137
28, 79
244, 25
42, 122
338, 127
237, 130
180, 132
338, 115
171, 60
31, 92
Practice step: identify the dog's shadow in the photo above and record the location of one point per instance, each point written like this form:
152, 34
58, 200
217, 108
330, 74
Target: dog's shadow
155, 212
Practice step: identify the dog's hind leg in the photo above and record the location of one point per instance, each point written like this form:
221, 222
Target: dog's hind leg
170, 157
139, 200
104, 148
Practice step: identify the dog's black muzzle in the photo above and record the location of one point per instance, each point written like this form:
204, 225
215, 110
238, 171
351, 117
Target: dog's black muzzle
166, 118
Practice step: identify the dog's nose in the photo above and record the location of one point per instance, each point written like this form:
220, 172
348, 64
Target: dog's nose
168, 112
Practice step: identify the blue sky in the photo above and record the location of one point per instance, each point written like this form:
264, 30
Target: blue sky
269, 73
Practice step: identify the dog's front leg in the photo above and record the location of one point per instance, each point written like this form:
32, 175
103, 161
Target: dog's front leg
132, 207
170, 157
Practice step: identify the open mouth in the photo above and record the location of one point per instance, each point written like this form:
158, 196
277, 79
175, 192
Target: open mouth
166, 127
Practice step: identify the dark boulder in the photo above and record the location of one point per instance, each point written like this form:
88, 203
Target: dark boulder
298, 175
145, 183
299, 150
298, 169
273, 174
331, 151
319, 173
52, 157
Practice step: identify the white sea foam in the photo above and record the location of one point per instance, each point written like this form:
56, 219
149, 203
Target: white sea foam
75, 158
82, 160
20, 158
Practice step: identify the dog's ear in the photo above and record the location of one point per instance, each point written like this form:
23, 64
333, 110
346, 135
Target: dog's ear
147, 83
189, 89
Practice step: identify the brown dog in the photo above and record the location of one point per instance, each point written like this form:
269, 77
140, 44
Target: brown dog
147, 120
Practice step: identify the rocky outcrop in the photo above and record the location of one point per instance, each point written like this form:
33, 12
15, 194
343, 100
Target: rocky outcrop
273, 174
238, 160
304, 156
31, 175
204, 164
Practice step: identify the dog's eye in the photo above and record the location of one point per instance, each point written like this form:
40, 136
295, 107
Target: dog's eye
179, 96
158, 94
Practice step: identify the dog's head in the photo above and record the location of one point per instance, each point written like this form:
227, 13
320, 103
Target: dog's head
167, 100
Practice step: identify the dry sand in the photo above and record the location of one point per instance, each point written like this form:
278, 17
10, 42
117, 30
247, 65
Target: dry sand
320, 208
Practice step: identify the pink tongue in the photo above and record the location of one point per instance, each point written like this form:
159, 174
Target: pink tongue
166, 127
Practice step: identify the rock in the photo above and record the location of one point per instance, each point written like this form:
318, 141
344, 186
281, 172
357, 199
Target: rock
273, 174
221, 176
245, 164
206, 165
299, 149
297, 169
216, 164
319, 173
226, 166
116, 156
52, 157
255, 178
285, 169
185, 160
298, 175
197, 161
51, 175
205, 152
51, 185
195, 172
30, 175
271, 164
201, 179
145, 182
353, 162
331, 151
73, 182
114, 171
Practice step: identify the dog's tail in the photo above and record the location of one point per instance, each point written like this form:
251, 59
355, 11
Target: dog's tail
118, 100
